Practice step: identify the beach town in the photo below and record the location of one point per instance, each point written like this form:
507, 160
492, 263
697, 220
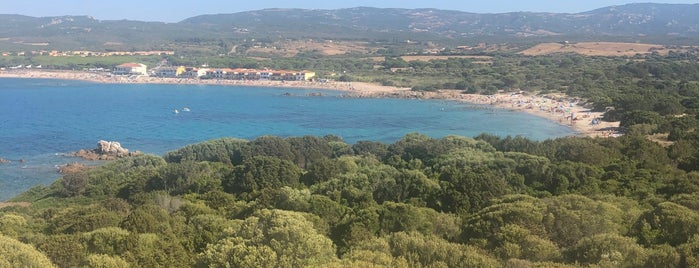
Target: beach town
559, 108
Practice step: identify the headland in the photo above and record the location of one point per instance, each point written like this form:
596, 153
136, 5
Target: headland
558, 108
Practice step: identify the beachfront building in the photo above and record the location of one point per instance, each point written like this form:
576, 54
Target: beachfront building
282, 76
222, 73
131, 68
305, 76
265, 74
251, 74
191, 72
170, 71
166, 72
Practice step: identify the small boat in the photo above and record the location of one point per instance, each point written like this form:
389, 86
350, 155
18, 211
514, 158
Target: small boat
185, 109
176, 111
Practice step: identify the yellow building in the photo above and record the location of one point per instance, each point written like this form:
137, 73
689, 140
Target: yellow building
180, 70
306, 75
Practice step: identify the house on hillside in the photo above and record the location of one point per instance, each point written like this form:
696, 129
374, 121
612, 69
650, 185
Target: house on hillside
131, 68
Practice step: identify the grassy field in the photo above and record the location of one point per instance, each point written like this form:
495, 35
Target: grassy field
610, 49
476, 59
327, 48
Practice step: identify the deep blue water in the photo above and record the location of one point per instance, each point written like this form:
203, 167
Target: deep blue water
40, 119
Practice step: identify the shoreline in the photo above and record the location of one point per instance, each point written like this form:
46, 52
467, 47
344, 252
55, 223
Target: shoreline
557, 108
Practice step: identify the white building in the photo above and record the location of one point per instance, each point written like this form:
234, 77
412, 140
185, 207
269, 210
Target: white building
130, 69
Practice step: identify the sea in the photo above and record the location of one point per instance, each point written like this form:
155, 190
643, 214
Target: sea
41, 120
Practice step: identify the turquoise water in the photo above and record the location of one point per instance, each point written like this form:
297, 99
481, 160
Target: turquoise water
41, 119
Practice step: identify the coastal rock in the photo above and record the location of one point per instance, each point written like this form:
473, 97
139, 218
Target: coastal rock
106, 150
111, 147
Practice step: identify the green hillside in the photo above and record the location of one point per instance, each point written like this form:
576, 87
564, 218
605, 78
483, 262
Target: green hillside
657, 23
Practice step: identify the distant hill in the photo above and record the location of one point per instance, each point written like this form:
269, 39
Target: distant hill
626, 20
361, 23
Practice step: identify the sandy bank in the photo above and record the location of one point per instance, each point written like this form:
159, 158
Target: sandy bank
358, 88
560, 109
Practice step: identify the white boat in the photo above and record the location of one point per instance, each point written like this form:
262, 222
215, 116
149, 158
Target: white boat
176, 111
185, 109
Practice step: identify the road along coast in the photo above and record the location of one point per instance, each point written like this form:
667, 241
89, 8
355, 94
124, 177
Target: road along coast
558, 108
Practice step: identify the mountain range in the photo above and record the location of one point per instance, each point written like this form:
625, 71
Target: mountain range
635, 21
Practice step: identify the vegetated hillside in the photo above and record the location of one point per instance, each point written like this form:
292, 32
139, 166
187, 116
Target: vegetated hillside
86, 33
627, 20
319, 202
636, 21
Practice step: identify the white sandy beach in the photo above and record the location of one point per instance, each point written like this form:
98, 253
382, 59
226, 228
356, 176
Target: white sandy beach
557, 108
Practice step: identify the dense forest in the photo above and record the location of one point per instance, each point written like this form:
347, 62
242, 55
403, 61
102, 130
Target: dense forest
319, 202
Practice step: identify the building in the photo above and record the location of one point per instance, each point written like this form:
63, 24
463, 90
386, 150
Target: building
223, 73
166, 72
130, 69
215, 73
305, 76
191, 72
171, 71
291, 75
283, 76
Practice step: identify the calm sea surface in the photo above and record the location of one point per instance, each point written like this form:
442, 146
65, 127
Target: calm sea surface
42, 119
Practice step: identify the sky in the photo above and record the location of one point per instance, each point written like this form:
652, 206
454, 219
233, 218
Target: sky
177, 10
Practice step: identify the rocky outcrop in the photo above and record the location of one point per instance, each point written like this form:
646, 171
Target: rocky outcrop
106, 150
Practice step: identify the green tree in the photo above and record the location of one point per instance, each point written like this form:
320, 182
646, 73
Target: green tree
309, 149
12, 224
82, 219
570, 218
261, 172
75, 184
271, 146
17, 254
689, 253
424, 250
662, 256
610, 250
271, 238
148, 218
110, 241
667, 223
63, 250
225, 150
189, 177
106, 261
